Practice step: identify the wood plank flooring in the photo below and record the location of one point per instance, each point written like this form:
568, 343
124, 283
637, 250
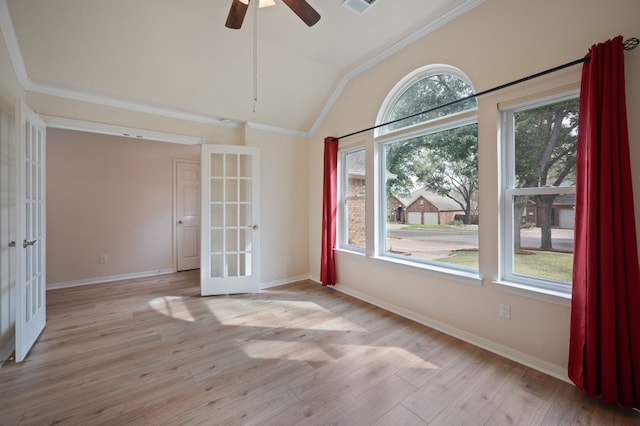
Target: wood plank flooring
152, 352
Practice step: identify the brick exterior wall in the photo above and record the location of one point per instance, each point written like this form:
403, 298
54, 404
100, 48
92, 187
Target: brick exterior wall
356, 210
422, 205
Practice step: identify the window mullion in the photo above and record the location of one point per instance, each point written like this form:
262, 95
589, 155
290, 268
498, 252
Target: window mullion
430, 127
381, 238
507, 225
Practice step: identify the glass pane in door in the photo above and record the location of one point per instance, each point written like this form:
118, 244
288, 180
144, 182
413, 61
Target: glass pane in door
231, 206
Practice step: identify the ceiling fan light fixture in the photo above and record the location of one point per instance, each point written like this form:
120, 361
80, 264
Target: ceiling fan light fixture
300, 7
263, 3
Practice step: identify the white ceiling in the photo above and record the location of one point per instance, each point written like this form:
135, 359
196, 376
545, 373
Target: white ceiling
177, 57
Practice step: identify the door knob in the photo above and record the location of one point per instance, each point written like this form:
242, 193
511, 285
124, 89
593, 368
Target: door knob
26, 243
180, 221
255, 227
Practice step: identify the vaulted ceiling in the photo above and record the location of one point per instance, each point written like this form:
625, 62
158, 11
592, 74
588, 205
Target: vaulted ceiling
177, 57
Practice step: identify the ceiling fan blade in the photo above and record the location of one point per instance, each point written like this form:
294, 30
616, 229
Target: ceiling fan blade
236, 15
304, 11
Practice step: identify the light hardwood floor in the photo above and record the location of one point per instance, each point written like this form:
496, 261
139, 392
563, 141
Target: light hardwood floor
151, 351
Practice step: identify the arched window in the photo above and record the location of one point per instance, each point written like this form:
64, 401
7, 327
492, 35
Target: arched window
425, 89
428, 194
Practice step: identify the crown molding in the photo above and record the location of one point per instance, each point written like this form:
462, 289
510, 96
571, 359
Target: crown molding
8, 31
60, 92
279, 130
129, 132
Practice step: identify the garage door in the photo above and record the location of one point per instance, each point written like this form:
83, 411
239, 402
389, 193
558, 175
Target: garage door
417, 218
566, 218
430, 218
414, 218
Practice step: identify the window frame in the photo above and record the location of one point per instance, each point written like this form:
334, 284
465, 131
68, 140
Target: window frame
423, 129
342, 216
547, 289
383, 136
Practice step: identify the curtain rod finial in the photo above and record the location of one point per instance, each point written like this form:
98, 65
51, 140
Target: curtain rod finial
630, 43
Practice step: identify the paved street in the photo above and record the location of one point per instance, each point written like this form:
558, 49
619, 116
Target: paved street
436, 244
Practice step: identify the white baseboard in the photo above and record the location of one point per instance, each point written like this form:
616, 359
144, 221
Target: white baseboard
109, 278
504, 351
7, 351
284, 281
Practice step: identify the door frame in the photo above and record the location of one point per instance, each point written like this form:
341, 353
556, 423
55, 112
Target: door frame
175, 209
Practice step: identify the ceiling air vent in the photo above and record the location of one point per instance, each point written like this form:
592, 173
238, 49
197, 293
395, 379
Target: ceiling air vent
358, 6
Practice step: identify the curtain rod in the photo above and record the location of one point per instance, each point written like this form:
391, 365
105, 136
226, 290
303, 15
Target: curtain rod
629, 44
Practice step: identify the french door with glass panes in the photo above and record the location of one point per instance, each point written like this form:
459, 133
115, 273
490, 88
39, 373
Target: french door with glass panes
230, 217
31, 305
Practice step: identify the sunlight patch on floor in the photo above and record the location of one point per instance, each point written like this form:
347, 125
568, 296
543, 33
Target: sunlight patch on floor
314, 352
172, 306
241, 312
291, 351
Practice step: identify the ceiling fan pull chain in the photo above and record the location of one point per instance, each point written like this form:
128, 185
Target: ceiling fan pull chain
255, 55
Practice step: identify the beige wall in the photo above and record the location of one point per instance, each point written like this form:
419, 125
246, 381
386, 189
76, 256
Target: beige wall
499, 41
10, 93
113, 195
284, 202
109, 195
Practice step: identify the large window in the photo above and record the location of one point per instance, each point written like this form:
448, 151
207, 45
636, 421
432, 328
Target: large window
351, 206
539, 146
428, 172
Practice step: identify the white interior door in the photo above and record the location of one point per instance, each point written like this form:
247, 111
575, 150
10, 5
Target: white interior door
30, 257
187, 215
230, 217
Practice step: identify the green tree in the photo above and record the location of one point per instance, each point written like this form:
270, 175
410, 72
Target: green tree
427, 94
451, 167
545, 155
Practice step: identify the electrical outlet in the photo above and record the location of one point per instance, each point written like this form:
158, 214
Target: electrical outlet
103, 258
505, 311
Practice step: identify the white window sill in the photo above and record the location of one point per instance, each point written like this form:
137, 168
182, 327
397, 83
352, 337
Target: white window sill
350, 252
463, 277
532, 292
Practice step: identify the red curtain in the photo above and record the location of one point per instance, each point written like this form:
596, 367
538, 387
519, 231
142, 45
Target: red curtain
604, 352
329, 206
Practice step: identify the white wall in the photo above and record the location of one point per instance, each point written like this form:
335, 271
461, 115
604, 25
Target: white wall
499, 41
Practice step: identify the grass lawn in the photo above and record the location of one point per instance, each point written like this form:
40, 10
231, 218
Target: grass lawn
540, 264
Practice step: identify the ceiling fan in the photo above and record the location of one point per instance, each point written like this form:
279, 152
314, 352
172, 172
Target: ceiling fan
300, 7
